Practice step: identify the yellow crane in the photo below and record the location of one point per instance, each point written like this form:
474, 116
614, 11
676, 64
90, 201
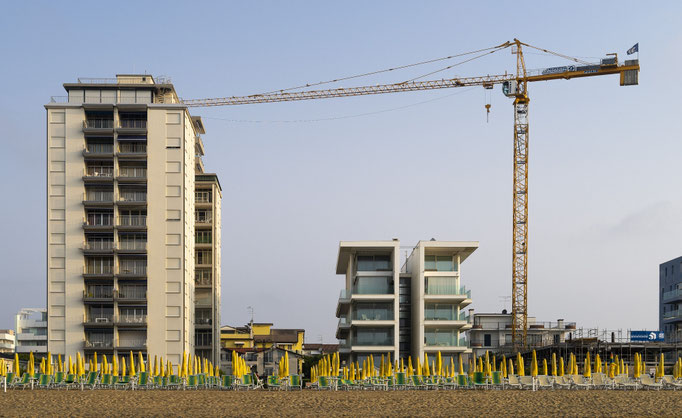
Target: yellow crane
514, 86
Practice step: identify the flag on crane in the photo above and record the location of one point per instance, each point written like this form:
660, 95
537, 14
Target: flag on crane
635, 48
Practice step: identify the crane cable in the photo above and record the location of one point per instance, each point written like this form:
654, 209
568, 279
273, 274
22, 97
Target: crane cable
401, 67
557, 54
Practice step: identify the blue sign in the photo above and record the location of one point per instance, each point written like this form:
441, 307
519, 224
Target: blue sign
647, 336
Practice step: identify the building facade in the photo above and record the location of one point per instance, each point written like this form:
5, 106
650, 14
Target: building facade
208, 198
406, 311
30, 326
7, 341
670, 300
122, 155
262, 347
492, 332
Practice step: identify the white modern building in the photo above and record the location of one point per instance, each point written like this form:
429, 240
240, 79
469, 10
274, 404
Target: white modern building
406, 311
492, 332
7, 341
122, 155
31, 330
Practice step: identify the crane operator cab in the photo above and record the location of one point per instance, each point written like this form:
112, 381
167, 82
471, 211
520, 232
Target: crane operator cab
510, 88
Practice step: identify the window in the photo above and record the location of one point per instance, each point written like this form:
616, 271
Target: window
440, 312
203, 216
439, 263
203, 237
202, 277
441, 286
369, 285
203, 196
487, 340
374, 263
373, 311
373, 336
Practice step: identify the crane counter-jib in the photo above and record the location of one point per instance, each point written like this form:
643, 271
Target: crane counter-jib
487, 81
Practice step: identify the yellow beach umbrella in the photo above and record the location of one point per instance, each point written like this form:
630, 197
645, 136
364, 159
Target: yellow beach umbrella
661, 365
439, 365
123, 366
635, 370
104, 367
410, 369
545, 372
31, 364
622, 366
419, 366
140, 362
16, 368
534, 365
587, 367
487, 363
114, 366
519, 365
561, 366
461, 364
554, 368
131, 371
472, 366
59, 363
511, 367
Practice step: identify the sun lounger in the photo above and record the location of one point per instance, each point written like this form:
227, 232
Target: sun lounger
513, 381
417, 382
497, 381
462, 381
649, 383
296, 383
526, 382
562, 382
578, 381
430, 382
323, 383
44, 381
669, 382
624, 382
480, 380
91, 380
543, 382
174, 382
105, 382
448, 383
143, 381
24, 381
228, 382
122, 383
273, 383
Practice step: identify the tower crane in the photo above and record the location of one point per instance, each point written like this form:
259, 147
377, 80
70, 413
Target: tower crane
514, 86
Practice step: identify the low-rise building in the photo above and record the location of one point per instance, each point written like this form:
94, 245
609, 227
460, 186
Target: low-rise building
31, 330
316, 349
7, 341
262, 347
492, 332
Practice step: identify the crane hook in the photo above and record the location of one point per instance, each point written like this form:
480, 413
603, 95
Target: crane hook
487, 112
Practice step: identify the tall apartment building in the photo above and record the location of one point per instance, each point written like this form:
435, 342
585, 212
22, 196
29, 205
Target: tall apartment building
121, 163
406, 311
208, 199
30, 326
670, 299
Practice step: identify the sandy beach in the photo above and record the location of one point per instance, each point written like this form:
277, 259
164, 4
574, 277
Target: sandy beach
355, 403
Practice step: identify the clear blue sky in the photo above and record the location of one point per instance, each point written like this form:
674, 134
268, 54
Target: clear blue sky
605, 177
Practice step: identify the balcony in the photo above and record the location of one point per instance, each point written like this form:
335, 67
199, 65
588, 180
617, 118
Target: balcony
203, 322
132, 126
204, 219
132, 198
130, 344
97, 174
672, 296
131, 320
98, 198
132, 222
132, 247
132, 150
98, 294
98, 320
132, 175
438, 290
98, 344
98, 126
203, 281
132, 271
673, 316
98, 223
434, 341
99, 151
130, 294
98, 271
98, 247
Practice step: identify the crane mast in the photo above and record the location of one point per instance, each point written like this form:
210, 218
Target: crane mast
514, 86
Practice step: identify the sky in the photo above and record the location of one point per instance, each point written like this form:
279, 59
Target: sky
297, 178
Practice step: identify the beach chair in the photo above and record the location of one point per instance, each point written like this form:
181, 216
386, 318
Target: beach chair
669, 382
543, 382
430, 382
58, 380
480, 380
273, 383
228, 382
561, 382
105, 382
600, 381
143, 381
417, 382
526, 382
400, 381
192, 382
497, 381
579, 381
175, 382
323, 383
122, 383
624, 382
9, 379
24, 381
257, 382
649, 383
246, 382
114, 380
295, 382
91, 380
44, 381
346, 384
462, 382
513, 381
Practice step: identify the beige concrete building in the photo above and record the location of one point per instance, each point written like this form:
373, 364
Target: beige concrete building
30, 326
406, 311
121, 162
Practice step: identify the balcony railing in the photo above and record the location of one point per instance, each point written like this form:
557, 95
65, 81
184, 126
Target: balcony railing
98, 245
98, 269
132, 344
343, 321
203, 281
98, 318
373, 315
132, 245
133, 123
132, 270
444, 341
131, 319
132, 220
132, 293
99, 343
204, 219
344, 294
99, 292
132, 197
98, 124
203, 321
126, 148
673, 294
372, 341
99, 149
99, 172
445, 289
98, 197
132, 172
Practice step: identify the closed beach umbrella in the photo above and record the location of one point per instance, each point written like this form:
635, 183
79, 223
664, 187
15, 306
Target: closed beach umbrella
561, 366
131, 371
419, 366
519, 364
31, 364
587, 372
659, 371
105, 367
140, 362
17, 370
487, 363
410, 369
511, 368
545, 372
471, 367
155, 372
114, 366
439, 364
123, 366
534, 365
622, 366
59, 363
461, 365
554, 369
635, 370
